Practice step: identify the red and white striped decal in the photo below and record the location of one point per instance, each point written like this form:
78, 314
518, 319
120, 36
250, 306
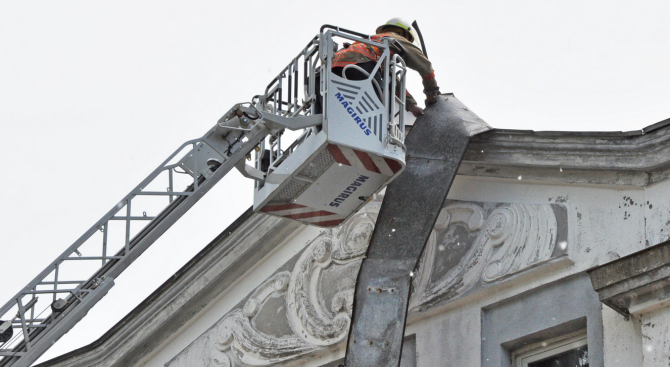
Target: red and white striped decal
363, 161
304, 214
360, 160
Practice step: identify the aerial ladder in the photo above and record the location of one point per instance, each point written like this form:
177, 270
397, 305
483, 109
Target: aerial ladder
349, 145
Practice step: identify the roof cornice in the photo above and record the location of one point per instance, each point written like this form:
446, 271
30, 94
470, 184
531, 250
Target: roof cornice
637, 158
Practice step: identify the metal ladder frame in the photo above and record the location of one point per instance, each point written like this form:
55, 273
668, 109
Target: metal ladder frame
80, 294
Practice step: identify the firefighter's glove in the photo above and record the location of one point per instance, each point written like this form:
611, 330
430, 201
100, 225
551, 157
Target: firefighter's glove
396, 47
431, 98
416, 110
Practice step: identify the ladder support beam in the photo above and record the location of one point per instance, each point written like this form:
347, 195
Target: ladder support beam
38, 338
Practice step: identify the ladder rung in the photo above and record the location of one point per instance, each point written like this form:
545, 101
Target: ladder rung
164, 193
132, 218
93, 258
28, 325
9, 353
74, 290
28, 321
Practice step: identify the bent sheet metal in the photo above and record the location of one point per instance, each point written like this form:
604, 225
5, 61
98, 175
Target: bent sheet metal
411, 205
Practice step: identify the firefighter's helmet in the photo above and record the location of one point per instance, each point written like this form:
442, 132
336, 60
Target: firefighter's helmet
403, 24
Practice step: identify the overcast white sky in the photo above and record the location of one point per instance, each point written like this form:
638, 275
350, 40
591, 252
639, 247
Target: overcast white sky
95, 94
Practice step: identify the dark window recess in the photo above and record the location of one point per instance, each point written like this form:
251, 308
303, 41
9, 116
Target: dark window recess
578, 357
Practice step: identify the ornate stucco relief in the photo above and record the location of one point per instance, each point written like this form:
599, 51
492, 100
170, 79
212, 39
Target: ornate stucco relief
306, 306
473, 245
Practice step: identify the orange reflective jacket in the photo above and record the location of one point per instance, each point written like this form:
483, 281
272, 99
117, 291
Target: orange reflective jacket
352, 54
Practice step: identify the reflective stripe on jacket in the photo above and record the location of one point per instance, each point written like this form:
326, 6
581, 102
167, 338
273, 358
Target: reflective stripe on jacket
359, 53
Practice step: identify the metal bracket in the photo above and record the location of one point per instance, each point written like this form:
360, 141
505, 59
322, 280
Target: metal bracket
250, 172
272, 121
291, 123
5, 326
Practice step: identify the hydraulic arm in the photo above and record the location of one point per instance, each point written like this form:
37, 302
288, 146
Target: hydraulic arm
204, 161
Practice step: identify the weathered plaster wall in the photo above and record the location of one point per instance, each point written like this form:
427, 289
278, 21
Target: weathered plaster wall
560, 308
449, 339
622, 339
227, 300
657, 214
603, 223
606, 225
497, 240
642, 339
656, 338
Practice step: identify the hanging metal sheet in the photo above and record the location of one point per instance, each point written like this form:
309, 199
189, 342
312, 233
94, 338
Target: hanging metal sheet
410, 208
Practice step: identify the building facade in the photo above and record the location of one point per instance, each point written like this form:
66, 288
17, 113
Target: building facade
551, 248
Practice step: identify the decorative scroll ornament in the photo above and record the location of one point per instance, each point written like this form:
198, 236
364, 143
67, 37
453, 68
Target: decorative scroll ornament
513, 238
318, 293
238, 336
317, 317
309, 308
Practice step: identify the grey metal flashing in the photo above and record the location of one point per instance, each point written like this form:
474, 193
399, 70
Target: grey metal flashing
656, 126
634, 280
407, 216
407, 357
204, 277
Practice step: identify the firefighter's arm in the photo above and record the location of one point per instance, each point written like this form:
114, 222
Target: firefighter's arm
416, 60
412, 106
410, 102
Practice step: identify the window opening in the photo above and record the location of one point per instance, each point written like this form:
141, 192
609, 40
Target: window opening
565, 351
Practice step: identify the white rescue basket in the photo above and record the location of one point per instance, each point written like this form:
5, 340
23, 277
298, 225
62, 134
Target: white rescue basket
333, 169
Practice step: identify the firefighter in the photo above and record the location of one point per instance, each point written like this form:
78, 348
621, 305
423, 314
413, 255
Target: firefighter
365, 57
